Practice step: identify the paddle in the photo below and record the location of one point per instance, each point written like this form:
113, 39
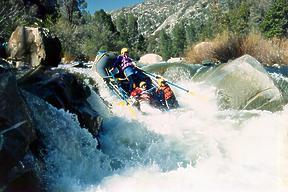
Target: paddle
120, 91
169, 82
122, 94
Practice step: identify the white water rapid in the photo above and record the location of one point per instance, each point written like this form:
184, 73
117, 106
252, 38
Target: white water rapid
195, 148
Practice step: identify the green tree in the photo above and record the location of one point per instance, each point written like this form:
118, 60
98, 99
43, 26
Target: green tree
132, 29
104, 19
12, 14
121, 23
142, 44
71, 9
70, 36
275, 23
178, 40
152, 44
191, 33
127, 25
99, 32
217, 19
238, 19
165, 45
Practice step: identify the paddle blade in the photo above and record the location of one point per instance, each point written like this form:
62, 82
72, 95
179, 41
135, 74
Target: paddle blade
192, 93
128, 107
122, 103
201, 96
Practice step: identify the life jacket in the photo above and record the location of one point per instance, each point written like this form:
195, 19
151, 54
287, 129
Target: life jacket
142, 95
167, 91
145, 96
136, 91
125, 62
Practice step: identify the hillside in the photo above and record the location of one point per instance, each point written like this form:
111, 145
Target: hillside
154, 15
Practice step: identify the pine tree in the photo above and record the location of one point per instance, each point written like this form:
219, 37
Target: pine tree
128, 27
178, 40
132, 30
71, 9
165, 45
99, 32
142, 45
275, 23
12, 14
239, 19
101, 18
191, 33
152, 45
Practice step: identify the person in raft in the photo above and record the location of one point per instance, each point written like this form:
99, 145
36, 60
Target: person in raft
124, 63
166, 95
141, 93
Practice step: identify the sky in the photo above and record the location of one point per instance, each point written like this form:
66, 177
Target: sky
109, 5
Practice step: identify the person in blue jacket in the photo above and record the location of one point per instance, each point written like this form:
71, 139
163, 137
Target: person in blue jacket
124, 63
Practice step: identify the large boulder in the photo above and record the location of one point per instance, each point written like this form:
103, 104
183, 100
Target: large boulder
16, 128
176, 60
204, 47
150, 59
64, 91
34, 46
4, 66
201, 51
244, 84
21, 143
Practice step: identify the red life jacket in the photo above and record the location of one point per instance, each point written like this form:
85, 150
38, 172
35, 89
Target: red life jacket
168, 93
143, 95
136, 91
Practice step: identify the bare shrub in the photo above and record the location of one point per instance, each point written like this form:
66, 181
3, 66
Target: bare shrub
267, 51
200, 52
226, 46
222, 48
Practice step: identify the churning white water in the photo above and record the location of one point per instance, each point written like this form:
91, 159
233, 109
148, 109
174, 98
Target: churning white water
194, 148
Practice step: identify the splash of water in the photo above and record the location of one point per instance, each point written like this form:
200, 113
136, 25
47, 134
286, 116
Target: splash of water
194, 148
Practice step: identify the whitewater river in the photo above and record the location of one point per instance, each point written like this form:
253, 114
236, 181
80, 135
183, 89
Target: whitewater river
194, 148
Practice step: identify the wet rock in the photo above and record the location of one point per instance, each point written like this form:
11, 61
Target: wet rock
64, 91
4, 66
24, 177
27, 182
16, 128
176, 60
34, 46
244, 84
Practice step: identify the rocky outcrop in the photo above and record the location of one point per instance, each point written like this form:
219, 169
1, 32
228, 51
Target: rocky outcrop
4, 66
244, 84
21, 142
34, 46
64, 91
155, 15
16, 127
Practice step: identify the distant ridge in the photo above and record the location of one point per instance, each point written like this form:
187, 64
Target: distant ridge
154, 15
